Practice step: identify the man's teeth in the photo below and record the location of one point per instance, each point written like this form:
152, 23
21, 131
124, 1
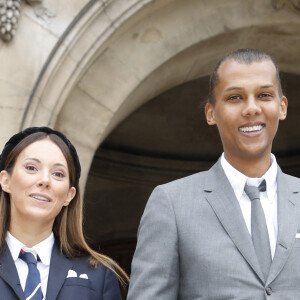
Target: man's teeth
40, 198
251, 128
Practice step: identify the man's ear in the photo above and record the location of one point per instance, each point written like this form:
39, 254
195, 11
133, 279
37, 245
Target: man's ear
70, 196
209, 113
5, 181
283, 108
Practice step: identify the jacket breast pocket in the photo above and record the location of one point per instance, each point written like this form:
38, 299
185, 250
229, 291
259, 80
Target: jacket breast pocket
76, 289
297, 243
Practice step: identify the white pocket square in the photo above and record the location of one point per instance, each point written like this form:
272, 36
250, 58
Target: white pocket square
83, 276
72, 273
298, 235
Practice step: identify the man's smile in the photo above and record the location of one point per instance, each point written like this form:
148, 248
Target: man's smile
252, 128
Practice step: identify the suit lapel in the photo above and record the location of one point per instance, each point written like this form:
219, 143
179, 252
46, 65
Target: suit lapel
222, 199
8, 272
58, 272
288, 219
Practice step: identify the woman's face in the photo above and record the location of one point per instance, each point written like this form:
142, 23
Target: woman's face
39, 184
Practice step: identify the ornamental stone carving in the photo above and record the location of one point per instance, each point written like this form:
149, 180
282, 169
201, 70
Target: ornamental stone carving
9, 17
294, 5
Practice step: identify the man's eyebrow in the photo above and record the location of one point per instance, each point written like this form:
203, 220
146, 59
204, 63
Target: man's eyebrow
231, 88
268, 86
234, 88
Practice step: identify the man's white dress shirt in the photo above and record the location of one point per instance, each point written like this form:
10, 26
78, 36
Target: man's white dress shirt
268, 199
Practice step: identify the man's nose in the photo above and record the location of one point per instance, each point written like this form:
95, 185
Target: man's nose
252, 106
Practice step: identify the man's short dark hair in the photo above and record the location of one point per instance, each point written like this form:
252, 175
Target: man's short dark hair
245, 56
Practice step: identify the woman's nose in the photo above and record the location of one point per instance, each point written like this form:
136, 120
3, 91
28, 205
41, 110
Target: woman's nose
44, 179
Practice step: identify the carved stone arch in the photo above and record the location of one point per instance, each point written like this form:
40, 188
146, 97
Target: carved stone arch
86, 36
120, 54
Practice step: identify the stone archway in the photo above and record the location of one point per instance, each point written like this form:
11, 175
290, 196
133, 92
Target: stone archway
165, 139
118, 54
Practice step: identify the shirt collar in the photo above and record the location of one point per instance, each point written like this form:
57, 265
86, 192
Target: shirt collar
42, 249
271, 179
14, 245
235, 177
238, 179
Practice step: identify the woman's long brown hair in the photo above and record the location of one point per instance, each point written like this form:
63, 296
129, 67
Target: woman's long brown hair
67, 226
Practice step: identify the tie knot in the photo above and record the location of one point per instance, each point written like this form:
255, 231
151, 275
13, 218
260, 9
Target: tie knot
28, 257
253, 192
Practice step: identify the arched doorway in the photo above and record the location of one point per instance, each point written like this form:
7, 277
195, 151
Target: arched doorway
117, 55
120, 56
165, 139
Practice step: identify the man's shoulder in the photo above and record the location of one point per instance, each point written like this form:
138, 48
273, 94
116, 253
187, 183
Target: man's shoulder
292, 180
195, 180
190, 178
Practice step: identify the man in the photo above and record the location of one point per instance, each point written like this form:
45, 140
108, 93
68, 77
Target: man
230, 232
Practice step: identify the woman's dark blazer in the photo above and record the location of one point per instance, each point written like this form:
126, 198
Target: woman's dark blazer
102, 284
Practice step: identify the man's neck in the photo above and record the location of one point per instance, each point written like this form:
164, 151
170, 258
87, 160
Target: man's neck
255, 167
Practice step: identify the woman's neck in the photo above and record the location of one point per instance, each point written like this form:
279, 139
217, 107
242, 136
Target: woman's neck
30, 234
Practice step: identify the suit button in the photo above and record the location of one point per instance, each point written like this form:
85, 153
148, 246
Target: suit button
269, 291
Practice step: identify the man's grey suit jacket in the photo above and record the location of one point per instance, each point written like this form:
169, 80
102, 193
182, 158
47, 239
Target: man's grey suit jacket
193, 243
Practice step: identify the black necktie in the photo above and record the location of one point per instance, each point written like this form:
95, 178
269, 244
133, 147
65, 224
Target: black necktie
33, 289
259, 230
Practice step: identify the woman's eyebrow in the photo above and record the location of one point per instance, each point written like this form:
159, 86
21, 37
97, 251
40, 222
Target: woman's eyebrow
32, 158
38, 161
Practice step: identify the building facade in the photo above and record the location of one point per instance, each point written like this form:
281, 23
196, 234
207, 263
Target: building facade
125, 79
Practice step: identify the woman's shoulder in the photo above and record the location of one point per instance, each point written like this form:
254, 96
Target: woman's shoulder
83, 262
99, 278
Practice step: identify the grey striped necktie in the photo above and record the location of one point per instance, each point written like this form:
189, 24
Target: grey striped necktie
259, 230
32, 289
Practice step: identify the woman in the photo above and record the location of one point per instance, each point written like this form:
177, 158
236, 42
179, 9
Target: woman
43, 254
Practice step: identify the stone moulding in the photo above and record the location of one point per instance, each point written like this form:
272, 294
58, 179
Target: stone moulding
9, 17
293, 5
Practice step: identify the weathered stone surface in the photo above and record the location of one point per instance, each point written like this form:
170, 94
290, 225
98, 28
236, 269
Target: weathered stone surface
124, 53
84, 67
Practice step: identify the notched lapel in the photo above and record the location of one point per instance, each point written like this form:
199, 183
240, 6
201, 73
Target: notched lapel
288, 208
59, 267
9, 274
222, 199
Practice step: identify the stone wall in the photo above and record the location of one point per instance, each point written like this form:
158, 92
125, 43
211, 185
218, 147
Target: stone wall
83, 66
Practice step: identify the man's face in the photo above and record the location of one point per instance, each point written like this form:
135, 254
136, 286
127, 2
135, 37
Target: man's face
247, 108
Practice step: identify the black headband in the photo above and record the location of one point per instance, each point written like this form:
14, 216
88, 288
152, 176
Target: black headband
15, 139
